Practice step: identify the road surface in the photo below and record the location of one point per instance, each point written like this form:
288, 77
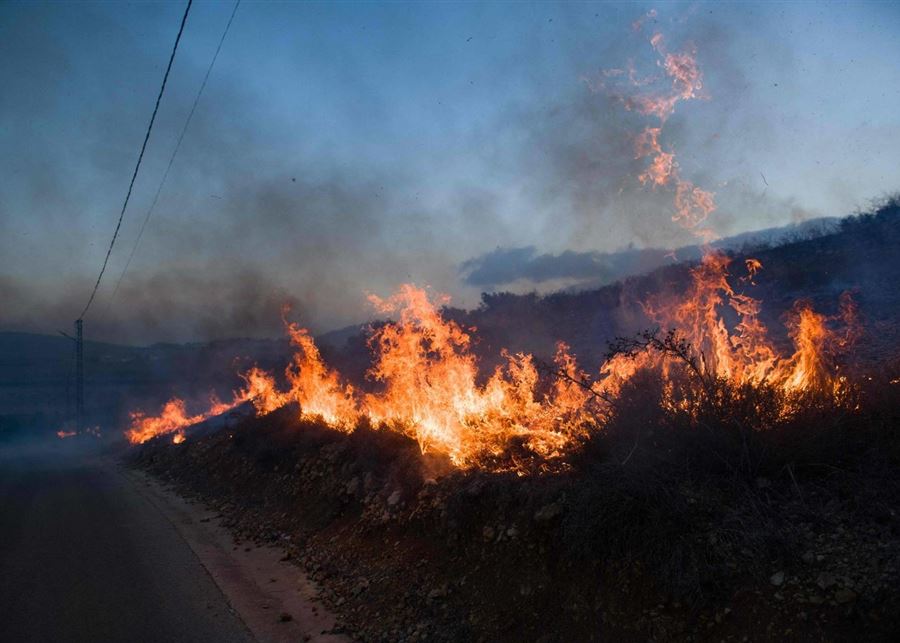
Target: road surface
85, 557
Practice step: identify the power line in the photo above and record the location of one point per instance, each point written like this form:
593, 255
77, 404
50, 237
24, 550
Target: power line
138, 165
165, 176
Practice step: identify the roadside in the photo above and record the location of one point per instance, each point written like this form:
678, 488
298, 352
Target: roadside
407, 551
274, 599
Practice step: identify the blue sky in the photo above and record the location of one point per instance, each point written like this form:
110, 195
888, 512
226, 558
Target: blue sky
342, 148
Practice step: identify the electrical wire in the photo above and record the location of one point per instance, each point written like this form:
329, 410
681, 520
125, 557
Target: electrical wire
165, 176
138, 165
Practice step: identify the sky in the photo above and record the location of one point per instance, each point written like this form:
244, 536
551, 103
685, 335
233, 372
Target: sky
343, 148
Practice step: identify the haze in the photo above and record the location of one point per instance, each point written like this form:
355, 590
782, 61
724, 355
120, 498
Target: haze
345, 148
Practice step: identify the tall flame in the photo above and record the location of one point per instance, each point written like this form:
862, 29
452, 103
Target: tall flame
431, 391
429, 386
425, 375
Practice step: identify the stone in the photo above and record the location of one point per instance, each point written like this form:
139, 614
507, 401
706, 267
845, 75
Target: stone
825, 580
777, 579
844, 595
394, 499
548, 512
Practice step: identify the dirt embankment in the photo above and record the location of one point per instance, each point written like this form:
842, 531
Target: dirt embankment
408, 549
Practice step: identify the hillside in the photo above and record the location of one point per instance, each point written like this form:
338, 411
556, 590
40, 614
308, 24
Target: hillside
856, 257
684, 504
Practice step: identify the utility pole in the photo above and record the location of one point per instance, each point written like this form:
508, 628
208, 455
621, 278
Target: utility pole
79, 376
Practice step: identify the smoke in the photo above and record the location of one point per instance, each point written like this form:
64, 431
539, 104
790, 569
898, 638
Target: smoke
321, 166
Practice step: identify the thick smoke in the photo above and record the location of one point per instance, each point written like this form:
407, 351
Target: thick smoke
535, 183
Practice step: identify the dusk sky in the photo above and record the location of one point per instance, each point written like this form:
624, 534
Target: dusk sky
344, 148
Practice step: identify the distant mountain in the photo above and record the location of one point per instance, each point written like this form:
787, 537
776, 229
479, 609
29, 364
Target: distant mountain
525, 267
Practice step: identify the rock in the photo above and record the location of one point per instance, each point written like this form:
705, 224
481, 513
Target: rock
777, 579
437, 593
808, 557
844, 595
487, 533
825, 580
548, 512
394, 499
284, 617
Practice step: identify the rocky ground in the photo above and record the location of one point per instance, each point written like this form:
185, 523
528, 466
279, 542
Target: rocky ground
405, 548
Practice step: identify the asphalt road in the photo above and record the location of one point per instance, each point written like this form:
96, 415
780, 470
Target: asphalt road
85, 557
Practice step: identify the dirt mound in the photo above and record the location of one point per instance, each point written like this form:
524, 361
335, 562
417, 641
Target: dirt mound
665, 547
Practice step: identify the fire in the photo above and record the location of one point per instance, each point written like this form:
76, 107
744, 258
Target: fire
426, 380
173, 419
316, 388
431, 391
62, 435
814, 362
742, 354
682, 81
429, 386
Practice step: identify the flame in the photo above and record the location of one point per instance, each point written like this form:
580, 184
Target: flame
428, 383
62, 435
317, 388
173, 419
742, 354
431, 391
426, 379
653, 96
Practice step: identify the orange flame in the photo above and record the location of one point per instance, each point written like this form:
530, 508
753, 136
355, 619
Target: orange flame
429, 385
693, 205
431, 391
426, 376
173, 419
743, 353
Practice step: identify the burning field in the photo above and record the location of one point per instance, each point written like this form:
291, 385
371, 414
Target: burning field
715, 474
427, 385
709, 341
